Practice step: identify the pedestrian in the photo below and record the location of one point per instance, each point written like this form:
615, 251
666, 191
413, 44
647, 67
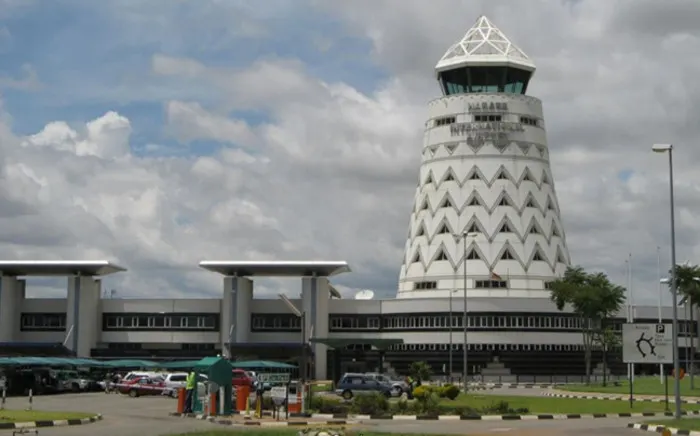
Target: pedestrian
190, 385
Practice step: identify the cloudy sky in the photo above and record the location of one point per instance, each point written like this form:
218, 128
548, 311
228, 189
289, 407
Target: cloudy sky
158, 133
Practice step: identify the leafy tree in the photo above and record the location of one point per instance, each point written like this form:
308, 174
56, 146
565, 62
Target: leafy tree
593, 298
420, 371
688, 282
607, 339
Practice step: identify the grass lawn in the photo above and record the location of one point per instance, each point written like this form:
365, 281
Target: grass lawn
642, 386
684, 424
553, 405
38, 415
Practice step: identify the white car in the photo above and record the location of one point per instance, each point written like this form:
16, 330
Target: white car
177, 380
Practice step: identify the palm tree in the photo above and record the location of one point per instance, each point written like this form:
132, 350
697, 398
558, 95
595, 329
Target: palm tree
593, 298
688, 282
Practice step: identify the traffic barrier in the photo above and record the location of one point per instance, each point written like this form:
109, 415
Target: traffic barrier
181, 400
212, 409
242, 398
296, 406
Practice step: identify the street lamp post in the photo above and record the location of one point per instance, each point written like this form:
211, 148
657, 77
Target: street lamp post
668, 148
465, 363
449, 321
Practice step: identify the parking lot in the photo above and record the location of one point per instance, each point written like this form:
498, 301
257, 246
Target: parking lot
148, 416
145, 416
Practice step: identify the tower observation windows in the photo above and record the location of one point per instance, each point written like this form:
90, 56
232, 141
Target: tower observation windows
425, 285
484, 118
484, 79
445, 121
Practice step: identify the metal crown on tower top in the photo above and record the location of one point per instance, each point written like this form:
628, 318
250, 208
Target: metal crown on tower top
484, 60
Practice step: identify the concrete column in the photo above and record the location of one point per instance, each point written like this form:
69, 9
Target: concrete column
235, 310
10, 300
22, 287
82, 314
315, 293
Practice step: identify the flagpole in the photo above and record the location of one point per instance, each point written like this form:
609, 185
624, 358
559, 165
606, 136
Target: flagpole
631, 292
658, 281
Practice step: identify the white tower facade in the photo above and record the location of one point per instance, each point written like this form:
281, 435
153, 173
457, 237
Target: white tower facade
485, 179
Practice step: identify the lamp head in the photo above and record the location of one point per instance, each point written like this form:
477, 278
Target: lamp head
661, 148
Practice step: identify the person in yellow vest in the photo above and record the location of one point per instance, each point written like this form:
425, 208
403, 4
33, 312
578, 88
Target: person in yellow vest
190, 386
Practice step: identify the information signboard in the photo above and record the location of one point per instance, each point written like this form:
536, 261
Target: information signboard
647, 343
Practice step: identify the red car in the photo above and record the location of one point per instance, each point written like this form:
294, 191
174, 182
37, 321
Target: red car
142, 386
242, 378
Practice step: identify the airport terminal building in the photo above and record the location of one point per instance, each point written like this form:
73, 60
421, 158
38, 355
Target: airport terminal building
485, 238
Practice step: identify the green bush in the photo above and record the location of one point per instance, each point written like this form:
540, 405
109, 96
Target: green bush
449, 391
429, 405
421, 392
370, 404
502, 408
325, 404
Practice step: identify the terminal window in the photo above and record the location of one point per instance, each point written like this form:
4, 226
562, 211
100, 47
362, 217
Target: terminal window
492, 284
43, 322
160, 321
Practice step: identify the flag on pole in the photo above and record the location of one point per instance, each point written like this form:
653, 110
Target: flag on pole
495, 276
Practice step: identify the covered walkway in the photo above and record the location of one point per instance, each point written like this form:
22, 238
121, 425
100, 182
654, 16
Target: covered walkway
368, 348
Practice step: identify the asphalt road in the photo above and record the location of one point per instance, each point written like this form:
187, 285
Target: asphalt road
148, 416
580, 427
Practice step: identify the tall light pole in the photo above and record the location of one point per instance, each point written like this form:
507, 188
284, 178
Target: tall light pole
449, 321
465, 365
658, 271
450, 328
668, 148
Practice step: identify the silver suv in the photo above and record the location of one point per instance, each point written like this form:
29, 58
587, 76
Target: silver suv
400, 386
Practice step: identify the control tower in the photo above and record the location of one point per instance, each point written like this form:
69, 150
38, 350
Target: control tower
485, 180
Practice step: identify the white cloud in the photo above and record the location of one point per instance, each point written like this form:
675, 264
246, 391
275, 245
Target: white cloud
189, 122
330, 171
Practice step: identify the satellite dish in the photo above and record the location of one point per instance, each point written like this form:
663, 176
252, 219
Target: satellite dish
364, 295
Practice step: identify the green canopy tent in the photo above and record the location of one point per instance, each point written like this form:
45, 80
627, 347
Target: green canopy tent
261, 364
49, 361
130, 363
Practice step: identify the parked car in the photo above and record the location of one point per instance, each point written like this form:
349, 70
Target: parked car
72, 381
242, 378
138, 374
400, 386
142, 386
178, 380
358, 384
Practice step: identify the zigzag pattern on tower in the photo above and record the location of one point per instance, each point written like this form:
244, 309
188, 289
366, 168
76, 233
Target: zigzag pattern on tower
519, 148
475, 174
474, 226
507, 253
475, 199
